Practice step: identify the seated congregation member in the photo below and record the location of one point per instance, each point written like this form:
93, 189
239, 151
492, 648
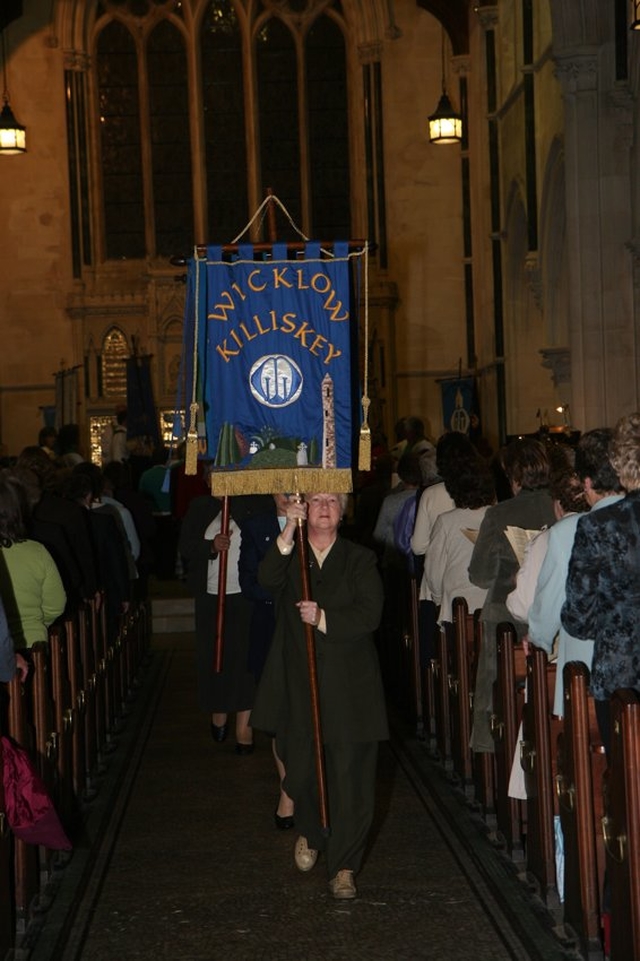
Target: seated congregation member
603, 582
60, 525
393, 561
344, 613
409, 480
102, 501
157, 486
259, 532
450, 548
232, 690
108, 545
11, 661
30, 584
568, 498
601, 487
494, 564
68, 446
117, 484
452, 449
47, 441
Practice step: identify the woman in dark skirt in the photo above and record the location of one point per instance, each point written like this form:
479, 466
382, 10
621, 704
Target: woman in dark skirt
345, 613
232, 690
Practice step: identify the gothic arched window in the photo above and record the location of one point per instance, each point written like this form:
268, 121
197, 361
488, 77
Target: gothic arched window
203, 108
115, 352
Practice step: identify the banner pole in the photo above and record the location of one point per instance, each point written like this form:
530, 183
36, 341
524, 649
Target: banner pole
218, 650
313, 683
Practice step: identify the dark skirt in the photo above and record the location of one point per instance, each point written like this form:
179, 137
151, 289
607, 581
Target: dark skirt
234, 688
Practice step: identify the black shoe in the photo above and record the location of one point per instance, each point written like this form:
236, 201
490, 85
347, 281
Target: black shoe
243, 749
219, 732
284, 823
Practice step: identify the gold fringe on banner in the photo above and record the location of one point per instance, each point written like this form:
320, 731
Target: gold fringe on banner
191, 452
281, 480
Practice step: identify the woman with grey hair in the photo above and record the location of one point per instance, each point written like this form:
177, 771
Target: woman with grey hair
344, 613
603, 583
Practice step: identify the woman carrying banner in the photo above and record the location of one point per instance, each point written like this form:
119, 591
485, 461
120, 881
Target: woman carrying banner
344, 612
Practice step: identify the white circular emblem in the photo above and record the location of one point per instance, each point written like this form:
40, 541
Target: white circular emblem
275, 380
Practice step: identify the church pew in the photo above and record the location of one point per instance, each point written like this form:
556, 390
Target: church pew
537, 757
107, 667
42, 715
429, 701
441, 674
580, 770
416, 668
64, 721
483, 763
25, 856
505, 720
46, 738
621, 825
96, 655
89, 693
7, 920
77, 692
459, 693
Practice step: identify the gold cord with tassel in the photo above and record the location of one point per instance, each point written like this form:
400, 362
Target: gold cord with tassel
191, 451
364, 447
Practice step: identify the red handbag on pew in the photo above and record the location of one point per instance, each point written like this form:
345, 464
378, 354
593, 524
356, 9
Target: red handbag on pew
28, 806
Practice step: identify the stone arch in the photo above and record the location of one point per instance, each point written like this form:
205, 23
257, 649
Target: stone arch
371, 21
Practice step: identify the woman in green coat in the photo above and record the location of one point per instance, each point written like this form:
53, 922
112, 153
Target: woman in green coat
344, 612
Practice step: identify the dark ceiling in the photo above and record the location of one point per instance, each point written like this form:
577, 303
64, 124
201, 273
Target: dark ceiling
453, 14
454, 17
9, 10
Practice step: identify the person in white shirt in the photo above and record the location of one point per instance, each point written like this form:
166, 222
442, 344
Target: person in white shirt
453, 536
118, 449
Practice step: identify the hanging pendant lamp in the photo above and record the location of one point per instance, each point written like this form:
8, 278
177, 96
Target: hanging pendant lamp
13, 139
445, 124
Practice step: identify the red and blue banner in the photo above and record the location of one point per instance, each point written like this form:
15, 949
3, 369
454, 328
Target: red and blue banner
271, 344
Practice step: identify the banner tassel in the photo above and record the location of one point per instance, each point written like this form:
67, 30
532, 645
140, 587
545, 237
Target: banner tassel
364, 447
191, 452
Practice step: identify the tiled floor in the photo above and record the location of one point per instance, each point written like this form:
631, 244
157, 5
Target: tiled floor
181, 858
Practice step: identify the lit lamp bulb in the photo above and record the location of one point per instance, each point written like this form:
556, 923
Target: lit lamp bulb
564, 410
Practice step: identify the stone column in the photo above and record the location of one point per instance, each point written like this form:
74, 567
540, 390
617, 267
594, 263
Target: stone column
602, 335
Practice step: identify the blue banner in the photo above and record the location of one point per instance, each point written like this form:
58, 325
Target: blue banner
273, 358
459, 405
142, 417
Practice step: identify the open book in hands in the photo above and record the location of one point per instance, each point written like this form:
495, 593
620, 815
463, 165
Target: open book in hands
518, 537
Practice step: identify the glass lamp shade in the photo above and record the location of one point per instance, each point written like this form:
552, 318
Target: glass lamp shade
635, 23
13, 138
445, 125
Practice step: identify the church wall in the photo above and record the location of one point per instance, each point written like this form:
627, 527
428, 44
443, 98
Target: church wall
34, 242
48, 319
423, 219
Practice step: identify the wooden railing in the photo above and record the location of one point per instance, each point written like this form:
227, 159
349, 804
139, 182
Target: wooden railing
596, 901
65, 715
